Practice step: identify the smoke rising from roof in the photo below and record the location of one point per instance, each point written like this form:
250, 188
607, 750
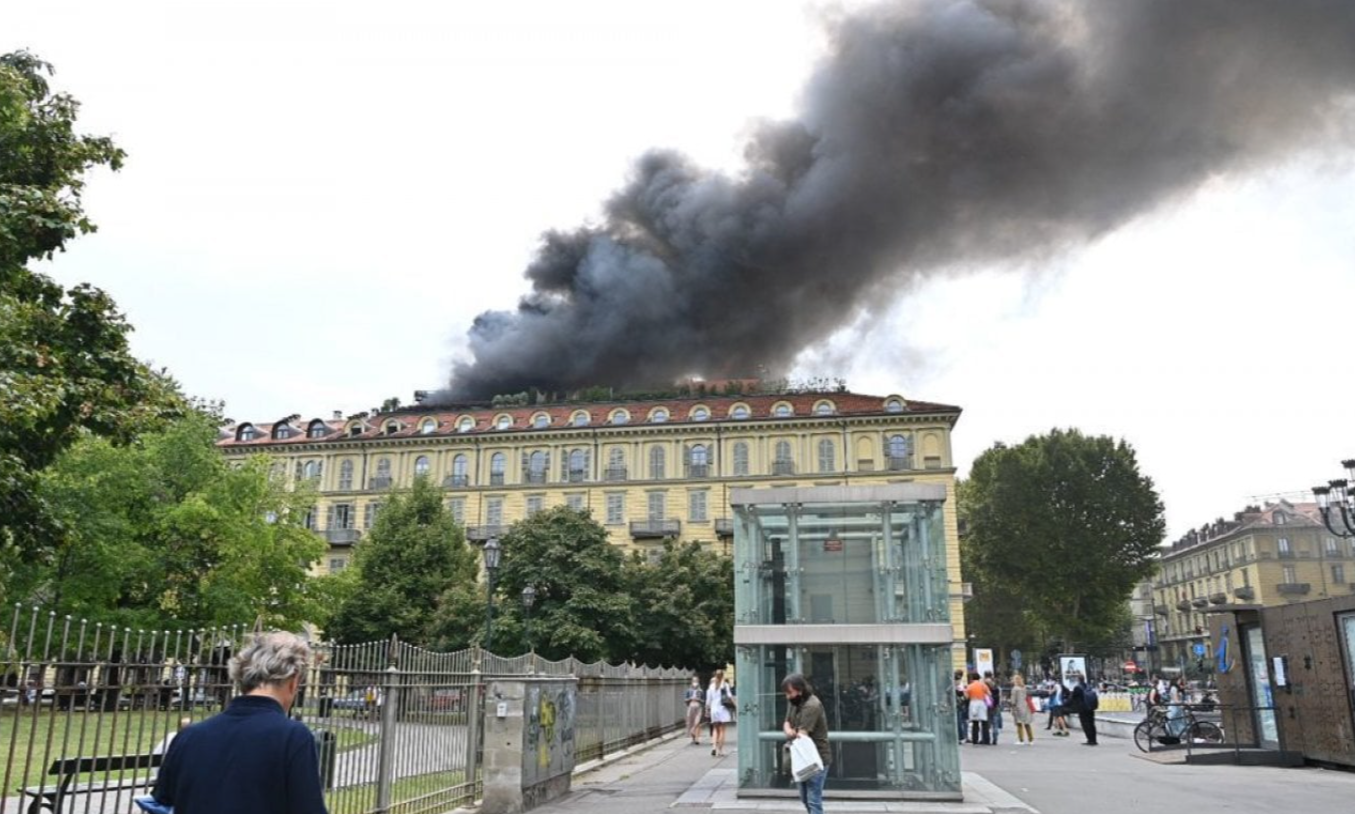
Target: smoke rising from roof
934, 135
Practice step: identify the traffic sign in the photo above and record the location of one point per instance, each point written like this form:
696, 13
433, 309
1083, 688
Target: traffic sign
1130, 667
1016, 659
1199, 648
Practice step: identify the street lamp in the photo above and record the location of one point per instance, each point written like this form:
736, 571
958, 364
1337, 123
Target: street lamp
492, 552
528, 599
1337, 500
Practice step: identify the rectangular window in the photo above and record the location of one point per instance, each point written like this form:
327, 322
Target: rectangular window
696, 504
1331, 547
337, 564
1289, 574
1283, 544
369, 513
310, 519
494, 511
457, 506
341, 516
535, 503
616, 508
657, 504
574, 501
1338, 574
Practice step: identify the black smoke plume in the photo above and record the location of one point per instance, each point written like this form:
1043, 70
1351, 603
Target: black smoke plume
935, 135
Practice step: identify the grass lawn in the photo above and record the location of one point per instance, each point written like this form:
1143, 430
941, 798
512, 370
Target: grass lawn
422, 794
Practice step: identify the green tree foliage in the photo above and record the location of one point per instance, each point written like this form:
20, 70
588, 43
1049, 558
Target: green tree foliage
685, 607
165, 528
65, 367
414, 554
1059, 530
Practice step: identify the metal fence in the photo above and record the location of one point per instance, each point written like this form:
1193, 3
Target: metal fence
88, 711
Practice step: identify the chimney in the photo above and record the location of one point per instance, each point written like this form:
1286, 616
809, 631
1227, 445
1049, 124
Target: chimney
338, 415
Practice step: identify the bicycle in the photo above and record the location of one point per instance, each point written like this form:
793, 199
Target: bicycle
1157, 727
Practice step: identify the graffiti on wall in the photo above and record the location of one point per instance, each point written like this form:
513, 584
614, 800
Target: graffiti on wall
549, 747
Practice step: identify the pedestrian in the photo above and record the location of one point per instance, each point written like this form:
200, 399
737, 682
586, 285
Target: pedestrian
1083, 701
695, 699
805, 718
1022, 714
251, 757
719, 700
961, 704
978, 695
994, 706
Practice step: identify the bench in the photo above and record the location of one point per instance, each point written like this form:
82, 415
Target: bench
52, 798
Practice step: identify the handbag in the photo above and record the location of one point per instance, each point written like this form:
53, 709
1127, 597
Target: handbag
805, 763
727, 702
1031, 705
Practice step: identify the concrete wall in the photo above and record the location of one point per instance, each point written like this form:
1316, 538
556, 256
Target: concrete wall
529, 742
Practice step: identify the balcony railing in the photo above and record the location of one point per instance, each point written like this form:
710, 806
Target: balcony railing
1286, 555
1294, 588
1161, 610
379, 482
783, 467
724, 527
455, 482
648, 529
1199, 602
698, 470
479, 534
342, 536
899, 463
496, 479
1246, 593
577, 475
534, 477
1183, 605
1218, 599
614, 473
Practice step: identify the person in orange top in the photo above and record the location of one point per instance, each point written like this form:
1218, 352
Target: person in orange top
977, 692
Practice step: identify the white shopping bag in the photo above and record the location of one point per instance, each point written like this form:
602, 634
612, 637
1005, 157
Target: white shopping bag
805, 762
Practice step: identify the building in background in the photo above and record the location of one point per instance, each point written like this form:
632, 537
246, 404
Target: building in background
1265, 556
648, 469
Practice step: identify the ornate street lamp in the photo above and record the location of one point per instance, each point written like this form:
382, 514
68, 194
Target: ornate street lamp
492, 552
1336, 502
528, 599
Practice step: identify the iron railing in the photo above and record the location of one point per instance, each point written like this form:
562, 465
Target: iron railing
398, 728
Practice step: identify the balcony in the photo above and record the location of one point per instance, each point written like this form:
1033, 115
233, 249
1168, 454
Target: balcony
1218, 599
783, 467
1161, 610
455, 482
614, 473
576, 476
1286, 555
1246, 593
651, 529
1294, 588
379, 482
496, 479
479, 534
724, 527
1183, 605
342, 536
534, 477
899, 463
1199, 602
698, 470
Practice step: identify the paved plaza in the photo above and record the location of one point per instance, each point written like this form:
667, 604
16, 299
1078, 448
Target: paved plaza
1054, 776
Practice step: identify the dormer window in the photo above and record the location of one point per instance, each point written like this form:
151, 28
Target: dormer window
620, 417
783, 410
580, 419
659, 415
316, 429
825, 408
355, 430
700, 414
246, 433
503, 422
466, 424
894, 405
282, 432
740, 412
392, 428
428, 426
540, 421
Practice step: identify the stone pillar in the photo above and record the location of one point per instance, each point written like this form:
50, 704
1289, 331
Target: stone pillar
529, 742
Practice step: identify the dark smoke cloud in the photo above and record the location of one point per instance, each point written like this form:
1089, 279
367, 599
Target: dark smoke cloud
935, 135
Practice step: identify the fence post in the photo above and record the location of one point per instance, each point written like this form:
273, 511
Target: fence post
385, 760
475, 708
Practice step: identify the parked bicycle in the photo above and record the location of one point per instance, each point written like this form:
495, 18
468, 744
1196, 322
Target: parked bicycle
1164, 729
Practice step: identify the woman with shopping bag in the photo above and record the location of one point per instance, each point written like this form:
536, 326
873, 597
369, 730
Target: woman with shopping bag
806, 721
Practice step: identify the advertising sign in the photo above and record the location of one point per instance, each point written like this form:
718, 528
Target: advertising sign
983, 661
1069, 666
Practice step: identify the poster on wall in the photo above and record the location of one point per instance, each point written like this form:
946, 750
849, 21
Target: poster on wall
1070, 666
983, 661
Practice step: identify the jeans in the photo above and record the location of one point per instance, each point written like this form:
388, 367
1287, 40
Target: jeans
811, 792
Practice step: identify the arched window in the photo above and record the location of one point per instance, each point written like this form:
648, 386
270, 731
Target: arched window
578, 466
421, 466
740, 458
740, 412
316, 429
894, 405
540, 421
620, 417
282, 432
245, 433
783, 463
616, 464
346, 475
459, 470
503, 422
311, 471
383, 468
392, 428
698, 461
825, 408
354, 430
900, 452
656, 463
428, 426
659, 415
496, 466
827, 456
466, 424
782, 410
536, 467
580, 419
700, 455
700, 414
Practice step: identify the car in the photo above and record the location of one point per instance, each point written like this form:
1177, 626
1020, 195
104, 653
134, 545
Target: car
355, 700
197, 698
447, 699
11, 697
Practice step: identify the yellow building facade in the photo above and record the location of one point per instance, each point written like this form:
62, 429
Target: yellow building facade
647, 470
1264, 556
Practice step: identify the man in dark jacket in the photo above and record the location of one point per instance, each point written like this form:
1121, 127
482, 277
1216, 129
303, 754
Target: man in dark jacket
252, 757
805, 718
1086, 716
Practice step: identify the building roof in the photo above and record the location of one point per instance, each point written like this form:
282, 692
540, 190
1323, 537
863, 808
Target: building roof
409, 421
1273, 516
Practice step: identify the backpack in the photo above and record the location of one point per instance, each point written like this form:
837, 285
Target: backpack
1090, 699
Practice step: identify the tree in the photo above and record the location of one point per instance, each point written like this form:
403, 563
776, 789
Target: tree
166, 528
65, 367
1065, 525
413, 555
684, 607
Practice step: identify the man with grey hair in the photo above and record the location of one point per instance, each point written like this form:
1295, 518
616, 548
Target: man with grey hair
251, 757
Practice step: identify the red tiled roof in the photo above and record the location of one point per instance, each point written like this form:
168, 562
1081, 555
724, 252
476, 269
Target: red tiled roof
760, 409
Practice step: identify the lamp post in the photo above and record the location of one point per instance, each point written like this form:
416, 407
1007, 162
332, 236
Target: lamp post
492, 552
528, 599
1336, 502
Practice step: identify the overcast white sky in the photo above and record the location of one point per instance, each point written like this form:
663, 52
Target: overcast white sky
320, 197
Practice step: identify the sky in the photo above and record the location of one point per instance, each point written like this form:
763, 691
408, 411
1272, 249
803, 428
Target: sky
321, 196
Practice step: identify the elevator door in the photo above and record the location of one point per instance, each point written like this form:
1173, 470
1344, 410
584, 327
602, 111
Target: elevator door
1263, 696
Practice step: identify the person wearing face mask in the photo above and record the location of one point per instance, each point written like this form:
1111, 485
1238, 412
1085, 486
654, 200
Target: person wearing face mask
805, 716
695, 699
